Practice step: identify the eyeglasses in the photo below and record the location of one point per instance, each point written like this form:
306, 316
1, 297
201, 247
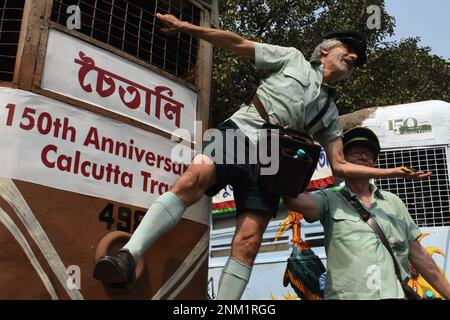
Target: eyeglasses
357, 152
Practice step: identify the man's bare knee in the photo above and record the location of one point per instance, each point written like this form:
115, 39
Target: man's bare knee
201, 159
193, 184
187, 188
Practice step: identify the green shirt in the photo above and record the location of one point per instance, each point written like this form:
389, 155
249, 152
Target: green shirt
358, 264
293, 94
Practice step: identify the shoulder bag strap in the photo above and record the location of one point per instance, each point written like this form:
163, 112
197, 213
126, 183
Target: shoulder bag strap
320, 114
260, 108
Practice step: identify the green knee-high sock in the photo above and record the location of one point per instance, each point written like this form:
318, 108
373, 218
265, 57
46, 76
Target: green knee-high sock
162, 216
234, 279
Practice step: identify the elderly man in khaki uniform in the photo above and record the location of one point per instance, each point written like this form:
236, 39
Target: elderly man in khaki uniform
292, 95
359, 266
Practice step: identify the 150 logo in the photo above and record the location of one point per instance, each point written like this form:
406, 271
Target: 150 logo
409, 126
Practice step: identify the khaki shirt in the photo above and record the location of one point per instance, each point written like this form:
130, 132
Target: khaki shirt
292, 95
358, 264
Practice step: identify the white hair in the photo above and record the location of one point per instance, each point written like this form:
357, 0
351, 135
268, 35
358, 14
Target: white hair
326, 44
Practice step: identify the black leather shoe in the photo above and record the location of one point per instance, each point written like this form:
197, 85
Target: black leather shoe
116, 271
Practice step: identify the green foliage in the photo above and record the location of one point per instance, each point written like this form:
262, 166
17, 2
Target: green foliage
395, 73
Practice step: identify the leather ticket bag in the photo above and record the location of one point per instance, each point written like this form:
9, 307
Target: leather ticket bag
294, 171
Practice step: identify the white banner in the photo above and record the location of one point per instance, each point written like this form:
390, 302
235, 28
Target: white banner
82, 71
57, 145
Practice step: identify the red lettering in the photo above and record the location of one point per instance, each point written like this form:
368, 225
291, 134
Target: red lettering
108, 172
11, 109
153, 184
83, 168
158, 162
92, 138
27, 114
147, 176
130, 149
123, 146
77, 164
108, 142
116, 174
44, 155
150, 158
88, 169
68, 129
95, 174
139, 154
177, 168
163, 187
126, 179
64, 166
167, 165
47, 118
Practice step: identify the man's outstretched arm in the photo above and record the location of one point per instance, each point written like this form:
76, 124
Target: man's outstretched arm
218, 38
345, 169
304, 204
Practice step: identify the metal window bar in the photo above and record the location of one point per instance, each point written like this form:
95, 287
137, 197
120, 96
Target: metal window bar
131, 26
93, 28
11, 12
428, 201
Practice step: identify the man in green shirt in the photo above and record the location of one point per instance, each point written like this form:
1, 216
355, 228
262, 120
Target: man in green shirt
358, 264
292, 96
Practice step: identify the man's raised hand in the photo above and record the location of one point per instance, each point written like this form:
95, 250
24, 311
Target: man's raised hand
171, 24
402, 172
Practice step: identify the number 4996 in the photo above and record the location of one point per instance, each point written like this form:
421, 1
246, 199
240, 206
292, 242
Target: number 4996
123, 219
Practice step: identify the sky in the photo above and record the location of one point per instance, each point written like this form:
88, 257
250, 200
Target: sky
428, 19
